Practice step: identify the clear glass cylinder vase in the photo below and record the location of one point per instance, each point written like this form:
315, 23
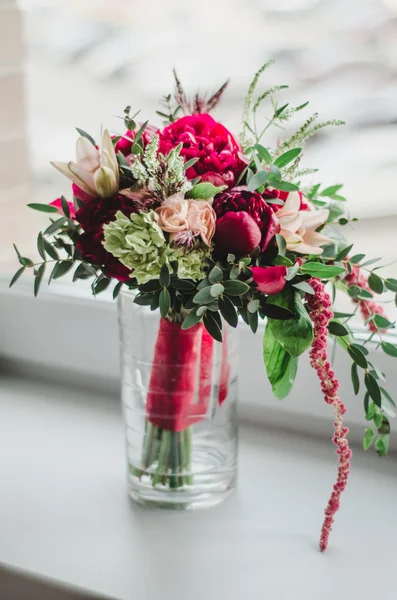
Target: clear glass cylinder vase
179, 394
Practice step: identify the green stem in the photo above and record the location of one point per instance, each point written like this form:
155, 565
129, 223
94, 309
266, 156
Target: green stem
188, 455
164, 454
174, 460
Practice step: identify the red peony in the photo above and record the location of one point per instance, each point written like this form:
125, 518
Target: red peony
211, 143
236, 233
93, 215
270, 280
235, 236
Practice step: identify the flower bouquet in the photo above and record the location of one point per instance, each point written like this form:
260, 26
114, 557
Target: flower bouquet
211, 231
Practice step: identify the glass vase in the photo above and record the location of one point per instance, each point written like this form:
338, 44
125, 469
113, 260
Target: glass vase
179, 394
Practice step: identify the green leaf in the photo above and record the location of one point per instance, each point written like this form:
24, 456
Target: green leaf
357, 258
263, 153
46, 208
287, 157
368, 438
212, 326
252, 318
283, 261
86, 135
100, 285
370, 262
296, 335
216, 290
382, 322
117, 289
382, 445
375, 283
371, 410
355, 378
330, 191
203, 296
343, 253
373, 389
40, 246
189, 163
204, 191
258, 180
285, 186
143, 299
83, 271
65, 207
358, 357
17, 276
391, 284
228, 311
304, 287
140, 132
282, 244
51, 251
378, 420
215, 275
336, 328
273, 311
389, 349
165, 302
321, 271
235, 288
361, 348
386, 395
55, 226
281, 368
253, 306
191, 319
61, 268
234, 272
39, 278
184, 285
165, 278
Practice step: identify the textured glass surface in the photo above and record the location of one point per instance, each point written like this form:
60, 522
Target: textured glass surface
180, 414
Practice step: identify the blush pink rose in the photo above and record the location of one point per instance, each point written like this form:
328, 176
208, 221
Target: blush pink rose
201, 218
172, 214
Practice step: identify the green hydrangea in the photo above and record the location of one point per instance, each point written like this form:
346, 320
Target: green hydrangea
139, 244
191, 265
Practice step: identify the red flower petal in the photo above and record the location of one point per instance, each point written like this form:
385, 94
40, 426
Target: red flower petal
58, 204
270, 280
236, 233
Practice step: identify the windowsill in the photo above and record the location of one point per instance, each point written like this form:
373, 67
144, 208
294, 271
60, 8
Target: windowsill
65, 514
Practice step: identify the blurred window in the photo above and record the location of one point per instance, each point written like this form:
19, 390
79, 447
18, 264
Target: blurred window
86, 59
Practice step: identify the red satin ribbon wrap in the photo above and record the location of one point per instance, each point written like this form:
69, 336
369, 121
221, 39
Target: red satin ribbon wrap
171, 401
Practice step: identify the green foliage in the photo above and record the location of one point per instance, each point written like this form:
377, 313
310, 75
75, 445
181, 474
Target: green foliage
281, 367
294, 335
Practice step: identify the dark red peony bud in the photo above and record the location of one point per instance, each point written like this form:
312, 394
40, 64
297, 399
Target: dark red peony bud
236, 233
241, 200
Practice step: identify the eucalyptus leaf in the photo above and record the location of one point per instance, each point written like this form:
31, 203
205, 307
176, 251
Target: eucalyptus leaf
39, 278
215, 275
375, 283
212, 326
235, 288
284, 159
46, 208
165, 278
258, 180
355, 378
228, 311
191, 319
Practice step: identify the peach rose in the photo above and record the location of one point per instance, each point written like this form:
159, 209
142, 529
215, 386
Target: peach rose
201, 219
172, 214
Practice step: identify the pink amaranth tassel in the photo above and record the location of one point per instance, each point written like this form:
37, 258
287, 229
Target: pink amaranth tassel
320, 313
